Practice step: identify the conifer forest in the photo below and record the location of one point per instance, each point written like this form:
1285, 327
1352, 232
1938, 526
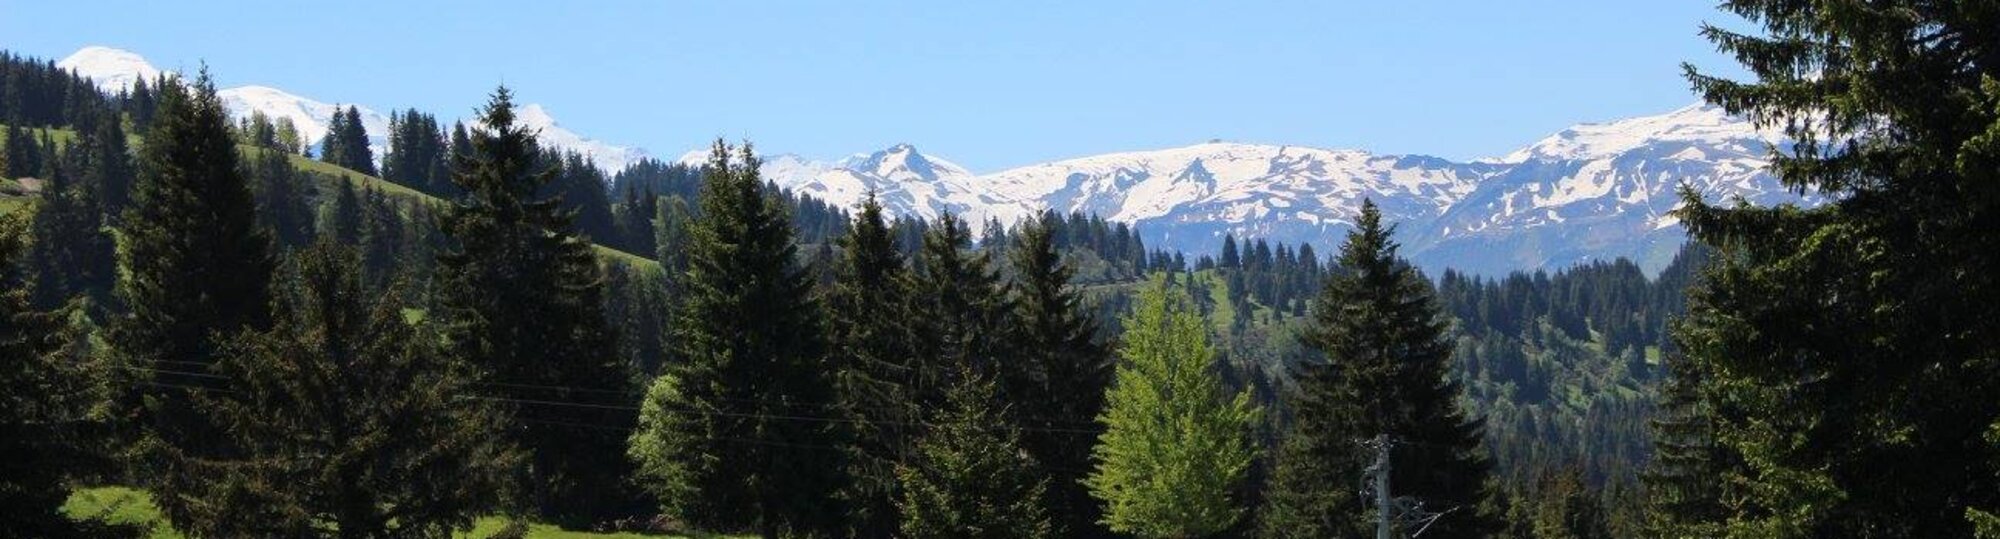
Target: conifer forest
214, 324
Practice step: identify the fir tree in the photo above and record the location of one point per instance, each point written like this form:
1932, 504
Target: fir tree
1176, 445
1684, 489
1059, 375
352, 422
193, 265
870, 328
340, 218
958, 313
1850, 348
346, 143
44, 398
522, 300
71, 255
969, 477
735, 435
1384, 372
281, 193
107, 165
381, 238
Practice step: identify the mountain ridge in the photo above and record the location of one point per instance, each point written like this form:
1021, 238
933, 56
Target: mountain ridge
1593, 191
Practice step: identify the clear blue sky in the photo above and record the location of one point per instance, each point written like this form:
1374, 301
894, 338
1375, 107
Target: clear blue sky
987, 84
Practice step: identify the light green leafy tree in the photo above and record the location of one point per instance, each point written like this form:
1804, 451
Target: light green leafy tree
1176, 443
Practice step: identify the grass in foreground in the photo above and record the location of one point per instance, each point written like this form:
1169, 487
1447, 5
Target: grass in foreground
124, 506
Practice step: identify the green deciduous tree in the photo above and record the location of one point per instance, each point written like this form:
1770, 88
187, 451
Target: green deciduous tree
1176, 444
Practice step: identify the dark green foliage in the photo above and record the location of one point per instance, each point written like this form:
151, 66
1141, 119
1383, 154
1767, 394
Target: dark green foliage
1849, 351
351, 421
1564, 507
194, 265
522, 300
44, 397
105, 164
71, 255
282, 192
1684, 484
869, 322
418, 157
341, 214
1057, 377
735, 436
959, 313
24, 155
969, 476
579, 184
346, 142
381, 238
1385, 372
37, 93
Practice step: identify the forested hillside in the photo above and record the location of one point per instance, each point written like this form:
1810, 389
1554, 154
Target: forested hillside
263, 336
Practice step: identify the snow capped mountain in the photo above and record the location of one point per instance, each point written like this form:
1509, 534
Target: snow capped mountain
112, 69
1193, 194
1697, 123
1592, 191
312, 118
1601, 191
612, 158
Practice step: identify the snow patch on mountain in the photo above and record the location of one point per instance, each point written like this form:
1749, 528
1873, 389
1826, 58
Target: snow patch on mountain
113, 70
1696, 123
610, 157
311, 117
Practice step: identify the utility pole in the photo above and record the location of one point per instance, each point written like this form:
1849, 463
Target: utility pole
1384, 510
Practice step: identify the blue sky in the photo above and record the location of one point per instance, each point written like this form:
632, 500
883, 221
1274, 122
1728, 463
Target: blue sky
986, 84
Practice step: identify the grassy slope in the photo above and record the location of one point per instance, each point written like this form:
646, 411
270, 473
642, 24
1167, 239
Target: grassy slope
64, 136
127, 506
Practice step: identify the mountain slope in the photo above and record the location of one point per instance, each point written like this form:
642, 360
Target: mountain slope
1592, 191
115, 70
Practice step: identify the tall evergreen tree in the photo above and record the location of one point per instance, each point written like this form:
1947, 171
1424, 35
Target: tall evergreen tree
735, 436
1851, 349
969, 477
959, 313
1059, 376
381, 238
107, 169
352, 421
1176, 445
346, 142
1684, 488
44, 398
71, 255
1384, 372
281, 192
870, 327
522, 300
341, 215
193, 265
